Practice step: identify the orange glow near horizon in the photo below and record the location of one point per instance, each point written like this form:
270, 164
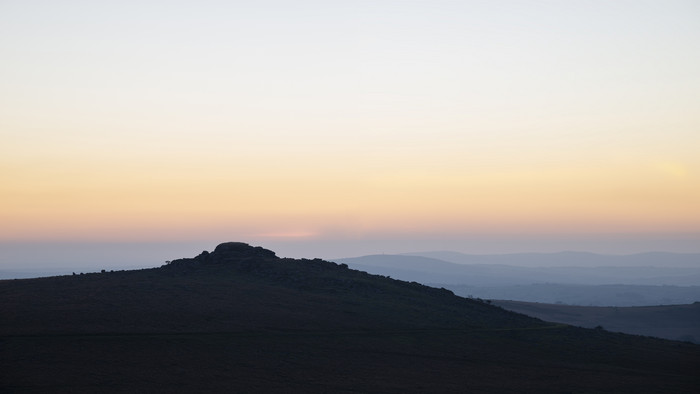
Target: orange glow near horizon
307, 202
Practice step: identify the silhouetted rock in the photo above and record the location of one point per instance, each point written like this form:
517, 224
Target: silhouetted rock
236, 254
238, 250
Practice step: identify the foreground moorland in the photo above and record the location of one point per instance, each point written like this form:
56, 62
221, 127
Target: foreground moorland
240, 319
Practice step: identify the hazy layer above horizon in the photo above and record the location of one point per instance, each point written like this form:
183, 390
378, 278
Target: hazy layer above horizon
52, 257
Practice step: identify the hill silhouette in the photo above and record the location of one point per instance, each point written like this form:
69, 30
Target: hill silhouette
241, 319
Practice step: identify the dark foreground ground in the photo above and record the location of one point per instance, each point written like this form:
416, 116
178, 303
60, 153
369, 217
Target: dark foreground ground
318, 362
242, 320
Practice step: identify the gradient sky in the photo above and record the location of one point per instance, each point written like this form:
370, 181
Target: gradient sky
357, 121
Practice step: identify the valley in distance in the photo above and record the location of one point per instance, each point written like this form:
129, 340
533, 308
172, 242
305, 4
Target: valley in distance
241, 319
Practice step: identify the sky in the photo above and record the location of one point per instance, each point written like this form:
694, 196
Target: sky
337, 128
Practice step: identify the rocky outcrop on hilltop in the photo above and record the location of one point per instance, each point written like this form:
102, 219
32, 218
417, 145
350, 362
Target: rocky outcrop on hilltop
239, 254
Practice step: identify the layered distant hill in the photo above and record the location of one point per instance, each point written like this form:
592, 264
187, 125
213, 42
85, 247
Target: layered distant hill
240, 319
570, 259
519, 269
578, 279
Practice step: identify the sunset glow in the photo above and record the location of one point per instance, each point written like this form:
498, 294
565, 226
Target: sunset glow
149, 121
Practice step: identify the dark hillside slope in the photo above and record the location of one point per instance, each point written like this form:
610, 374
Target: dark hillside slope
679, 322
240, 319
